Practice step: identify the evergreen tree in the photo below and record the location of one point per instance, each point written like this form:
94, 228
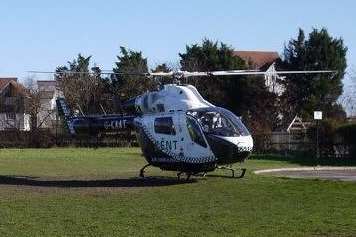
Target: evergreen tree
212, 56
164, 68
128, 86
306, 93
245, 96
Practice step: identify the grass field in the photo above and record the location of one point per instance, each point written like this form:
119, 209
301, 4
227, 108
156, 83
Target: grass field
87, 192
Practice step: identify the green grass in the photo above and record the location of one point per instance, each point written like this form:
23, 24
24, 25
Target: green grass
94, 192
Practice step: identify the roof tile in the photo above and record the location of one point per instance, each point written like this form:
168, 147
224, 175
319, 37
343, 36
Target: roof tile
258, 58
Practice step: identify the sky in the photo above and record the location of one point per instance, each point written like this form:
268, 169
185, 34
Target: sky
42, 34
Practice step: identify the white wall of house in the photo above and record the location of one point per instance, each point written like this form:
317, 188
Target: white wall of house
271, 81
26, 122
12, 121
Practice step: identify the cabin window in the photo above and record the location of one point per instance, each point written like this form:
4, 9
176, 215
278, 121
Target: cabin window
160, 108
195, 132
164, 125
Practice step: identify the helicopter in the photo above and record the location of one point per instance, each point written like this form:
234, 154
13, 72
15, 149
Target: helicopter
176, 128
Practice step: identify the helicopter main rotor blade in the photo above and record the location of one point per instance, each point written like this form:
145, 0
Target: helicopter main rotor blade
186, 74
251, 73
92, 73
162, 74
180, 74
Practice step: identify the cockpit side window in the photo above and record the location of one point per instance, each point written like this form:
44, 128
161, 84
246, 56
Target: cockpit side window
164, 125
195, 132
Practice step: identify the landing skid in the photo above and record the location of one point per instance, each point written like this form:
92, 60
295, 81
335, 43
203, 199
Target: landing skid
189, 174
179, 174
242, 174
142, 170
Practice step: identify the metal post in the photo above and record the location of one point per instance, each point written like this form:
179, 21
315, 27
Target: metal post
318, 115
56, 129
317, 140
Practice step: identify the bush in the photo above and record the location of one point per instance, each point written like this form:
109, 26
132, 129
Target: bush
347, 133
327, 130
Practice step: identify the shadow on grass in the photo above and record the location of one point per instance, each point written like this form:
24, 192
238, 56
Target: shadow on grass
223, 176
129, 182
305, 159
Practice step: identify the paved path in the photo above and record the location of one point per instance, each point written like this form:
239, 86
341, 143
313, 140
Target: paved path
329, 173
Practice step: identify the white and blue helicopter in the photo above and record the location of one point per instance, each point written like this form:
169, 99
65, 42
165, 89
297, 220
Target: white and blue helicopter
177, 129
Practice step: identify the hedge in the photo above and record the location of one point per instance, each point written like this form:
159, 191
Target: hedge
347, 133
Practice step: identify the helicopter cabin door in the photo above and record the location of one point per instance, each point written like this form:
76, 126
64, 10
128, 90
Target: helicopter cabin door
195, 146
167, 134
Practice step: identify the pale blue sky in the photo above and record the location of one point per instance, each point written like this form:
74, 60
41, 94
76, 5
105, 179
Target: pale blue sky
40, 35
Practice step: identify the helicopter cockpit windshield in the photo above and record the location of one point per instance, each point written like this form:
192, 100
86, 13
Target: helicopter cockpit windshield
219, 121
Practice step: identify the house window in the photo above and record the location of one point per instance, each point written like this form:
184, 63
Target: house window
11, 116
164, 125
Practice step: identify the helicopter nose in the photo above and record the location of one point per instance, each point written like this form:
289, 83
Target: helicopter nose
229, 150
243, 143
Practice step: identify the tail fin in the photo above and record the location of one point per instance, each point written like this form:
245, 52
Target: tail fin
63, 109
65, 113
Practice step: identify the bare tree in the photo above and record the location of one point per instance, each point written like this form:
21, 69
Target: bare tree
83, 88
38, 111
348, 99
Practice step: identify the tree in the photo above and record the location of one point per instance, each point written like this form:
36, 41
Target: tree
245, 96
41, 113
33, 103
348, 99
307, 93
84, 88
164, 68
212, 56
41, 116
128, 86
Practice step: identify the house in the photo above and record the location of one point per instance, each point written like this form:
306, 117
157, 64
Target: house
264, 61
293, 138
258, 59
12, 105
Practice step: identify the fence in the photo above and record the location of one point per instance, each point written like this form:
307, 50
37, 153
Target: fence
288, 143
277, 142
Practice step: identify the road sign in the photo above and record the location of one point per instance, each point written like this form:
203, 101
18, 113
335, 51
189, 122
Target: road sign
318, 115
